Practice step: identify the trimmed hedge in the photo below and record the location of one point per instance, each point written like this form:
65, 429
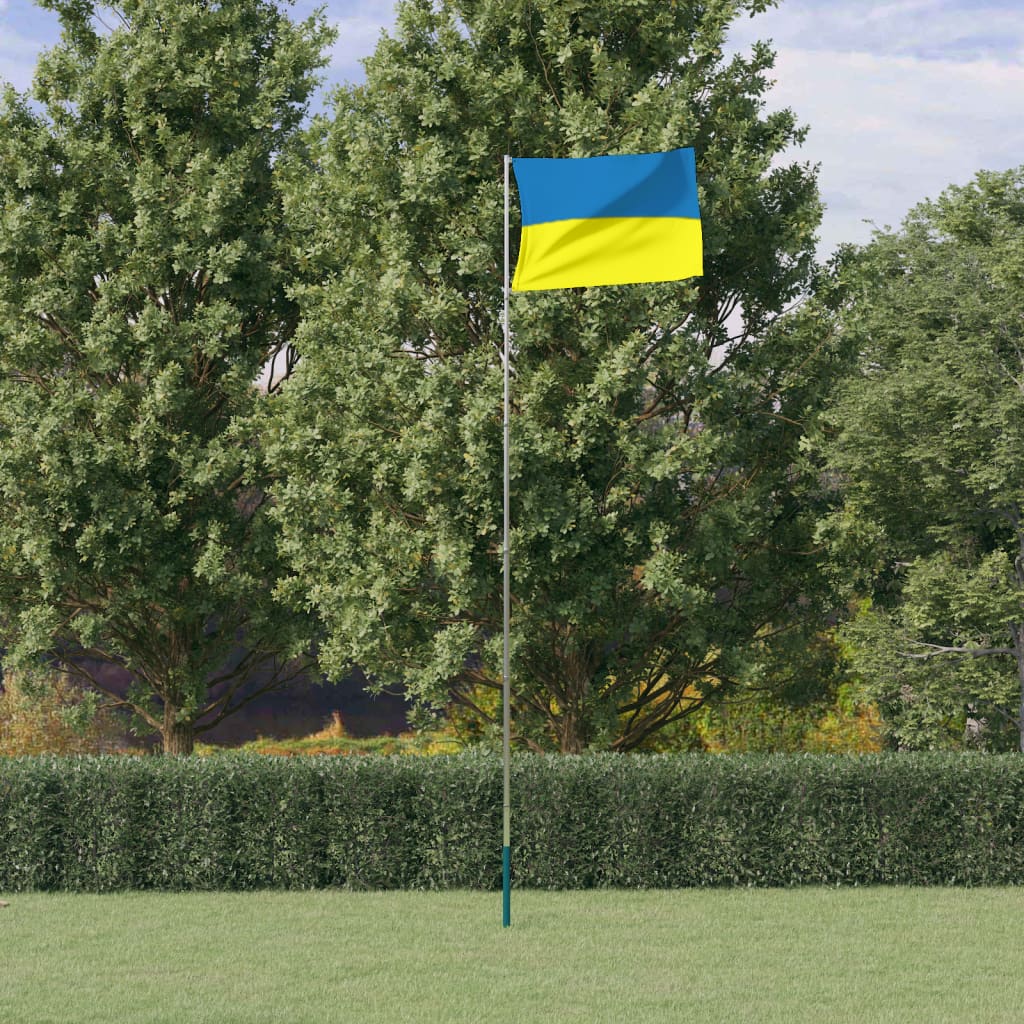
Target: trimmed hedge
249, 822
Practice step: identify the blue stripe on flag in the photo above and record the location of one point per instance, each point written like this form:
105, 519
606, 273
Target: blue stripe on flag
640, 185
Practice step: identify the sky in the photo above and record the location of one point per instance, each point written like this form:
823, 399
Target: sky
903, 98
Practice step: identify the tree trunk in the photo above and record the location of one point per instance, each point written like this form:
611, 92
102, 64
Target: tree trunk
571, 723
975, 729
570, 740
179, 737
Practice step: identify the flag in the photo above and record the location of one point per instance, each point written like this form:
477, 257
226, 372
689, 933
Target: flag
608, 220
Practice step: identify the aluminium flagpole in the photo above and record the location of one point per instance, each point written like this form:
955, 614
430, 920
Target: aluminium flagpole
653, 193
506, 848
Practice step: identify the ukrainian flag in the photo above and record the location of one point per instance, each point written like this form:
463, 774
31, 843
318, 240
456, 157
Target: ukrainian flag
608, 220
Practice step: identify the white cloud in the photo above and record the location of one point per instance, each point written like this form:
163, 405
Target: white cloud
892, 131
357, 39
902, 99
359, 24
17, 58
358, 28
941, 29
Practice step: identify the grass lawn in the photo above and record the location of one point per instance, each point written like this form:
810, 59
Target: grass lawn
814, 955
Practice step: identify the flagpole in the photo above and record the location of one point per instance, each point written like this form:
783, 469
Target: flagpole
506, 845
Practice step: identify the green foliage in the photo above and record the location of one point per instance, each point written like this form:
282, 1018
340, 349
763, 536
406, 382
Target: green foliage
49, 715
759, 722
661, 517
142, 289
926, 439
245, 822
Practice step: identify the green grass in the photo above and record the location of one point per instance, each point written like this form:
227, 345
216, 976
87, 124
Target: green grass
814, 955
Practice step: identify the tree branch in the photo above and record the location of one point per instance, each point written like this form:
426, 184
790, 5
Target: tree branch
118, 701
278, 679
938, 650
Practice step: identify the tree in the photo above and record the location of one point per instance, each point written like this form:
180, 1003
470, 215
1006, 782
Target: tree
142, 289
926, 440
660, 542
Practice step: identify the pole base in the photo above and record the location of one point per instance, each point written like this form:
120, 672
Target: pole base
506, 886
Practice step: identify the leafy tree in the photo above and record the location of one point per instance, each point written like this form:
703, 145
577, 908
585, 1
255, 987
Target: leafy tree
660, 542
927, 441
142, 288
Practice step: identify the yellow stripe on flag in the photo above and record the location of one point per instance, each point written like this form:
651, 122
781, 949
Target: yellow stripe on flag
594, 251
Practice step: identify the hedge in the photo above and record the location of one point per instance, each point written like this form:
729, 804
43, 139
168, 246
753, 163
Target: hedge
249, 822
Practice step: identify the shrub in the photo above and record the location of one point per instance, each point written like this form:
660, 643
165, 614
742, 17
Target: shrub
245, 822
